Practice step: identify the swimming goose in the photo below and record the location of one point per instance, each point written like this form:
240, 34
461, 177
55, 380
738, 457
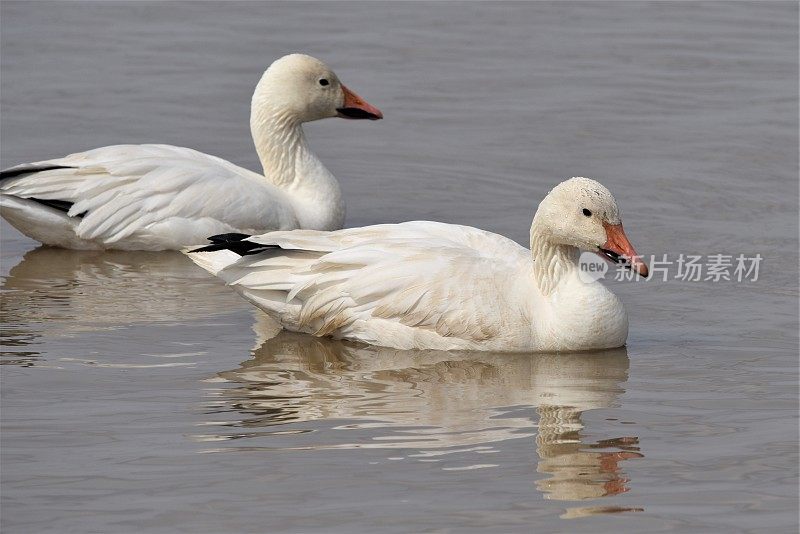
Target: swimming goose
429, 285
157, 197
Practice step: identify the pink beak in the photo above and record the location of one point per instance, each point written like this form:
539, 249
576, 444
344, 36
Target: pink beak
355, 107
617, 248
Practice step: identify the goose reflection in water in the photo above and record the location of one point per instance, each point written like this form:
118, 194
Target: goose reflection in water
432, 402
59, 292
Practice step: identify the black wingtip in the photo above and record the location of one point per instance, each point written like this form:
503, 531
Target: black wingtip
32, 168
29, 168
228, 238
210, 248
234, 242
60, 205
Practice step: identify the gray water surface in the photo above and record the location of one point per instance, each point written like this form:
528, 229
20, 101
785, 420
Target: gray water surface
141, 395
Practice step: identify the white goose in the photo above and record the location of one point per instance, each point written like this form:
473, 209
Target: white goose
157, 197
428, 285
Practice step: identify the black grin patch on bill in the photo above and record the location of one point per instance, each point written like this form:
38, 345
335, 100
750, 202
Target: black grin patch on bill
615, 258
356, 113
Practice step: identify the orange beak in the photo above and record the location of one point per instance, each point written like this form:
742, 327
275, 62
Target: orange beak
618, 249
355, 107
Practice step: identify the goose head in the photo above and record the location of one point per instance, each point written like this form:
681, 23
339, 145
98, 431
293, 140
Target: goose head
582, 213
306, 89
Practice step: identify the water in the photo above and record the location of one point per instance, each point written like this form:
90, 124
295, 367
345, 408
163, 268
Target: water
140, 395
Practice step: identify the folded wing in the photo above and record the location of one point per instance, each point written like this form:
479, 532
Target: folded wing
391, 281
151, 190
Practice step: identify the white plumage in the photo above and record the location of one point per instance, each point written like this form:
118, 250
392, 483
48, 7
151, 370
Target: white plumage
429, 285
157, 197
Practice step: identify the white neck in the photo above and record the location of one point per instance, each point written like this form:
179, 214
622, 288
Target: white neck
290, 165
551, 262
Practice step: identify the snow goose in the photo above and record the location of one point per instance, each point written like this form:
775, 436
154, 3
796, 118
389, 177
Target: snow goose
429, 285
156, 197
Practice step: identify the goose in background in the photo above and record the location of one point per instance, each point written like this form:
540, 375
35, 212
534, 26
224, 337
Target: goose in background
159, 197
429, 285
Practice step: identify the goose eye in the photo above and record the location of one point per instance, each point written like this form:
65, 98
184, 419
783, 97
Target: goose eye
324, 82
587, 212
